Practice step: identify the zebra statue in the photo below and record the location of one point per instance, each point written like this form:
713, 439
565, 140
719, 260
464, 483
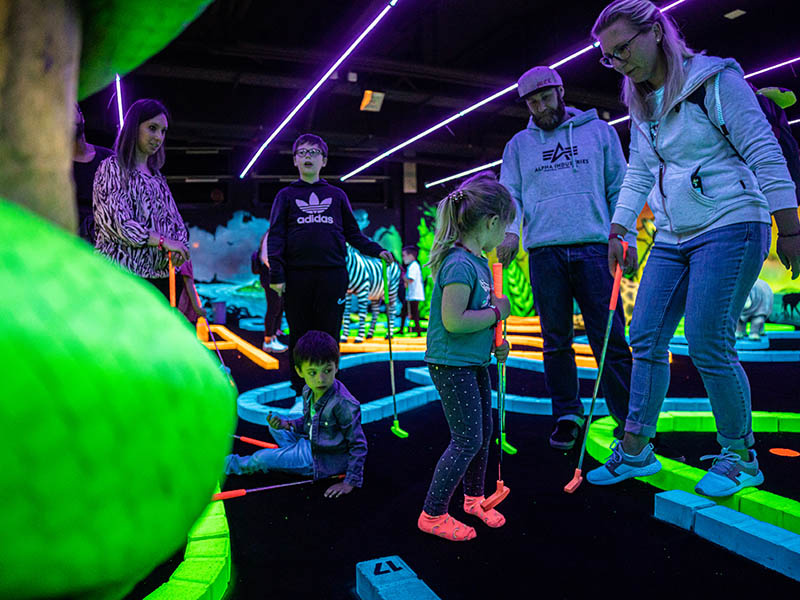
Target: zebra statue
365, 283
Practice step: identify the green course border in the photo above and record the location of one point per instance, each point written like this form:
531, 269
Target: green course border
759, 504
206, 568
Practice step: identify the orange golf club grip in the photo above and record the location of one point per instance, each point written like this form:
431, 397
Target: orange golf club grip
171, 281
612, 306
230, 494
497, 280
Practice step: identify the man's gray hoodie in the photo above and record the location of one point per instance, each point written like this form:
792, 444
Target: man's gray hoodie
565, 181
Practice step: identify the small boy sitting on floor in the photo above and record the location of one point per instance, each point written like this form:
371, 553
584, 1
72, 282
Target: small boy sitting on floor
327, 440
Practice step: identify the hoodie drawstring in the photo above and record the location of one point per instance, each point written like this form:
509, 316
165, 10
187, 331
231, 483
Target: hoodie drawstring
571, 148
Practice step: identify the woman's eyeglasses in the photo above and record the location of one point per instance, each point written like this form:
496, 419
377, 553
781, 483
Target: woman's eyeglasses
621, 54
310, 152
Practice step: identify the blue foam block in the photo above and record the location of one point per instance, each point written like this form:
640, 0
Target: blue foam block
533, 406
418, 375
679, 507
766, 544
718, 524
371, 575
411, 589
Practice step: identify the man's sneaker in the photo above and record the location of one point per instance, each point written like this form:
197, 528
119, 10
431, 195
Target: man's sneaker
729, 474
621, 466
565, 434
274, 345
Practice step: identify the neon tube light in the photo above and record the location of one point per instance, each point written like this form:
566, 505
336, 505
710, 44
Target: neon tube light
468, 110
319, 83
463, 173
783, 64
753, 74
614, 122
119, 103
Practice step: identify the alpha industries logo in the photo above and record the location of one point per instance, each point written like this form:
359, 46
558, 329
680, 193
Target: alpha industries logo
554, 155
313, 208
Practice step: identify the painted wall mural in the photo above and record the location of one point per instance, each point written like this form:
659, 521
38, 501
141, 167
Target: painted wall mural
222, 265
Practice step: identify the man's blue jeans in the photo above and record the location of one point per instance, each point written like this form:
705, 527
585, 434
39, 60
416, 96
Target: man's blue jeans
708, 278
559, 274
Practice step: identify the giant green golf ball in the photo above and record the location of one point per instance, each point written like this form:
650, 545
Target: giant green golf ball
114, 420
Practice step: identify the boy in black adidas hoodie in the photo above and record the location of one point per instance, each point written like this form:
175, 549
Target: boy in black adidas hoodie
310, 222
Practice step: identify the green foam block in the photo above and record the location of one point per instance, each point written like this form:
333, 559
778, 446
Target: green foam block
219, 547
181, 590
789, 423
765, 422
666, 422
764, 506
693, 421
212, 572
211, 527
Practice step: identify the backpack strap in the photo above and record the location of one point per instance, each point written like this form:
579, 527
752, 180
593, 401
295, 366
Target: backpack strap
698, 97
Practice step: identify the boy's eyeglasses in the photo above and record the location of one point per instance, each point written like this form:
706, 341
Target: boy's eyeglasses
621, 54
311, 152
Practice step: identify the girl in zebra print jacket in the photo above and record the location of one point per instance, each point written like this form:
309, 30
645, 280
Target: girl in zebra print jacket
137, 221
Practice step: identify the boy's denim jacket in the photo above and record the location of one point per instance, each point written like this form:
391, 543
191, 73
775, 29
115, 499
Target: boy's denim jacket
338, 443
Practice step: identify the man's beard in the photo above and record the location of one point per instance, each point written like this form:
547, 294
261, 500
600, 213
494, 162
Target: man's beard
551, 118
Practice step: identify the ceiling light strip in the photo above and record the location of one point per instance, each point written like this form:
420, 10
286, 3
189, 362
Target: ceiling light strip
468, 110
319, 83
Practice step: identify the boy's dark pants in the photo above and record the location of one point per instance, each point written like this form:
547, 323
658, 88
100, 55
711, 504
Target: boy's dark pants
314, 299
272, 320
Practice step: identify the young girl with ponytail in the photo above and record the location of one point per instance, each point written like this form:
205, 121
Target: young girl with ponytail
464, 311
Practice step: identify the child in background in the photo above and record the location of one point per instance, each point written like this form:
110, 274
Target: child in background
310, 222
415, 291
464, 313
327, 440
274, 313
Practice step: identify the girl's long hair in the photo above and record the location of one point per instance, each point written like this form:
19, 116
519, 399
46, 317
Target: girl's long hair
643, 14
461, 211
125, 144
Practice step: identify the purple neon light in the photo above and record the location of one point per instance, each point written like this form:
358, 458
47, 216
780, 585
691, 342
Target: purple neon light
777, 66
468, 110
319, 83
119, 103
613, 122
464, 173
747, 76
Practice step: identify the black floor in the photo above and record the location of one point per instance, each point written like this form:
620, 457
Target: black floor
599, 542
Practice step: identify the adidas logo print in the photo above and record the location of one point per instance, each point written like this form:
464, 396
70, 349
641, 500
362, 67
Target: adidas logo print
313, 208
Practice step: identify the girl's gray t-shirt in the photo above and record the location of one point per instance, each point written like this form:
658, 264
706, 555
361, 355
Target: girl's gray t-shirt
460, 349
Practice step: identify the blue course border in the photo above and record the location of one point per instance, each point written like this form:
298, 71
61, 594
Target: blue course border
253, 406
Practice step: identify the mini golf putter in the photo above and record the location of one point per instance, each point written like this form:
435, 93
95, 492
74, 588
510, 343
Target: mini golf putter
502, 491
395, 429
577, 477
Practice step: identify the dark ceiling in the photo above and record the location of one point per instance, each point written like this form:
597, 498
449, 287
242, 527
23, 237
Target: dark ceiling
233, 74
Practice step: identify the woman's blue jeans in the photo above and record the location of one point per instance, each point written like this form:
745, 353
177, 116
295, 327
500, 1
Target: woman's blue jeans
708, 278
